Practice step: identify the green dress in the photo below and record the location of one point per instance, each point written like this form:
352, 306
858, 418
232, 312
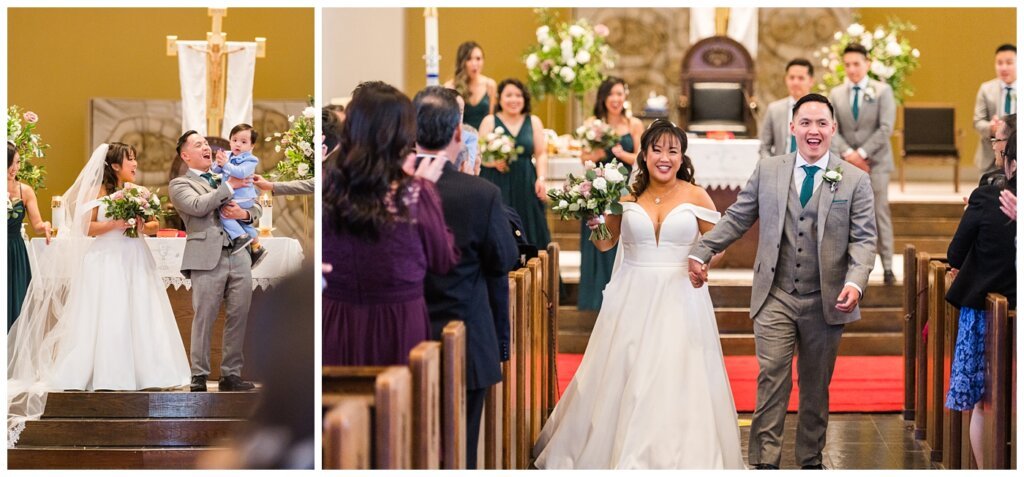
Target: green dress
596, 266
473, 115
517, 186
18, 271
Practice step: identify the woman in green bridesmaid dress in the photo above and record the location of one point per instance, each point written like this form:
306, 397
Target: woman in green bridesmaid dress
477, 90
521, 181
21, 202
596, 266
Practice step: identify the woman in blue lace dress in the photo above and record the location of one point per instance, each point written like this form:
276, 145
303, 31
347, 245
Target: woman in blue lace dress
982, 254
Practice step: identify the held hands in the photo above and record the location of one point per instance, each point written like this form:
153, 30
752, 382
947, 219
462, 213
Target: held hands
848, 299
698, 273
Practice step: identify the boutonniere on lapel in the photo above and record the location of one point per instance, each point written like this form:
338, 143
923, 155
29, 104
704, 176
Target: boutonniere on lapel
833, 177
870, 94
217, 177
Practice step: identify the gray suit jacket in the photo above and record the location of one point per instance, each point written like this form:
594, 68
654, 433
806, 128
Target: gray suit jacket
986, 105
873, 127
775, 129
846, 230
297, 187
198, 205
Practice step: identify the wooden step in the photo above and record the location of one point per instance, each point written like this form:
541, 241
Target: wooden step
916, 226
181, 404
106, 457
127, 432
852, 344
927, 210
737, 320
737, 295
930, 244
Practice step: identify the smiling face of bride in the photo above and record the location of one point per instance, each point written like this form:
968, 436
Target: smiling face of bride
663, 159
121, 166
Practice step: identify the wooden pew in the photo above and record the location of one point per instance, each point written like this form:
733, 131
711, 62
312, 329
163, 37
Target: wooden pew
425, 364
544, 315
509, 386
554, 289
389, 389
997, 403
537, 365
952, 420
453, 395
936, 356
921, 360
910, 332
346, 438
524, 372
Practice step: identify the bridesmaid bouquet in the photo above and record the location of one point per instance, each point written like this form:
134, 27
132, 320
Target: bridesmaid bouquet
597, 136
132, 203
592, 196
497, 146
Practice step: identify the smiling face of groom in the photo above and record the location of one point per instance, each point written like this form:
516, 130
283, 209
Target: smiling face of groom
195, 151
813, 126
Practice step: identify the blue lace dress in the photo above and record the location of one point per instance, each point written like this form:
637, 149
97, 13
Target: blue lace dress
967, 372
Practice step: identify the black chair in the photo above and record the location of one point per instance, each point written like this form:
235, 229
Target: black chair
930, 134
717, 82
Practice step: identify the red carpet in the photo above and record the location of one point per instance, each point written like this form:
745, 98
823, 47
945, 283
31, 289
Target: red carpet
859, 383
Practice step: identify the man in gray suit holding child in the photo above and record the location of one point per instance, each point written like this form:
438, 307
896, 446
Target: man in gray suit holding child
814, 255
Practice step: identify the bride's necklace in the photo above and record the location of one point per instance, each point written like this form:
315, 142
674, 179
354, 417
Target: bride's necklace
657, 198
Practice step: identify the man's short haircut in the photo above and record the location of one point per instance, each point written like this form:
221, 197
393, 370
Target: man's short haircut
183, 139
1006, 47
437, 117
801, 62
813, 98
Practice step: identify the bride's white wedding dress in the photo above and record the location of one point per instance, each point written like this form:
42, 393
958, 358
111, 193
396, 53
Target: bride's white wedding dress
120, 330
651, 391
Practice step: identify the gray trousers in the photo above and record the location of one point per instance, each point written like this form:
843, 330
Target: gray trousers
883, 217
785, 324
230, 281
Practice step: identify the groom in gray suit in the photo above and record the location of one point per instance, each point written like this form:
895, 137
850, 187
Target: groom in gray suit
866, 113
216, 273
816, 250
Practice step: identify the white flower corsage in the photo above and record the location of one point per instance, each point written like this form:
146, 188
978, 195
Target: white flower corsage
833, 177
870, 94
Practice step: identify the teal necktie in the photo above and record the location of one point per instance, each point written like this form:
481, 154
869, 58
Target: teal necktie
856, 102
808, 188
1007, 104
792, 143
209, 178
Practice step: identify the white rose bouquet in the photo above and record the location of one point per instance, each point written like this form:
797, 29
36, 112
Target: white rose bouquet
21, 131
592, 196
892, 57
597, 136
568, 60
132, 204
497, 146
297, 145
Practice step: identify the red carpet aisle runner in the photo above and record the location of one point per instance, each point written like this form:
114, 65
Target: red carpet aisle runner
859, 383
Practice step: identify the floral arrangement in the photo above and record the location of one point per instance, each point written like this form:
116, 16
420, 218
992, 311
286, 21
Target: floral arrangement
568, 60
592, 196
497, 146
597, 136
297, 145
131, 204
892, 57
21, 132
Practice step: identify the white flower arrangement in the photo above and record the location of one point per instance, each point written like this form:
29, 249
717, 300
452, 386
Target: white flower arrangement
597, 136
892, 57
21, 131
568, 60
497, 146
833, 177
297, 145
592, 196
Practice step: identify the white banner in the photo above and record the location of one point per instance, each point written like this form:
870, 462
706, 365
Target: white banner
241, 70
742, 26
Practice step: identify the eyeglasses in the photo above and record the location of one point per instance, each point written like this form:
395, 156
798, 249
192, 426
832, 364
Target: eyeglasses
995, 139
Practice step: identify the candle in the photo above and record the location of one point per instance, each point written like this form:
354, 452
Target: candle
56, 213
432, 56
267, 219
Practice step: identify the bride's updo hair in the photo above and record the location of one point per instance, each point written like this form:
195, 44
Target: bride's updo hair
651, 136
117, 152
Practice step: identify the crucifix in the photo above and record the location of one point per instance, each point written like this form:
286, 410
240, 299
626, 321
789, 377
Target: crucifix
217, 52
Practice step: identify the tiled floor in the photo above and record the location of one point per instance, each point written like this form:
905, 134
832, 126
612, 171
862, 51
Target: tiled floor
857, 441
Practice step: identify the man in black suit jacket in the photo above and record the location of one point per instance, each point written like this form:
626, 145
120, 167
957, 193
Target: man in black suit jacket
473, 211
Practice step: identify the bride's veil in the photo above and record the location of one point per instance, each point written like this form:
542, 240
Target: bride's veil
34, 339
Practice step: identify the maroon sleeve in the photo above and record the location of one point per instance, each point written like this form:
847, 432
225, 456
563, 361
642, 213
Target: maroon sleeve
438, 242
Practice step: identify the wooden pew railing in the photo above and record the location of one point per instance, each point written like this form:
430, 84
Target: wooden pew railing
998, 404
936, 384
387, 391
910, 332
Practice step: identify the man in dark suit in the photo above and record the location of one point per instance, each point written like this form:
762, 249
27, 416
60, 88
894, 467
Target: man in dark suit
473, 211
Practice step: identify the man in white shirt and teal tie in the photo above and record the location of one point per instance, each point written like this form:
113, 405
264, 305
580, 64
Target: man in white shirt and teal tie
866, 113
775, 137
997, 98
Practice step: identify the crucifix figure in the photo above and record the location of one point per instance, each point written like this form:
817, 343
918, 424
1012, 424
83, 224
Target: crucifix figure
217, 52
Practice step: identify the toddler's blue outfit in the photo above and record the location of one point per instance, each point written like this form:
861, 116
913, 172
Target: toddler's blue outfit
240, 167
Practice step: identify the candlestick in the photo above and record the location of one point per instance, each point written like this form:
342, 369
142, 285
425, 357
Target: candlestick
56, 214
267, 219
432, 56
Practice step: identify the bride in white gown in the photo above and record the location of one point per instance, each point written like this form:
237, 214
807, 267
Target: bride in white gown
98, 316
651, 391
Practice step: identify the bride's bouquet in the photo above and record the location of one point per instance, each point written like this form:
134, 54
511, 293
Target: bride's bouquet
497, 146
592, 196
597, 136
132, 203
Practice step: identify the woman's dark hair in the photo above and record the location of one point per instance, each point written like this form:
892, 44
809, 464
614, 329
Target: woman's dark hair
603, 91
651, 136
331, 127
461, 81
12, 151
518, 84
378, 133
1010, 152
117, 152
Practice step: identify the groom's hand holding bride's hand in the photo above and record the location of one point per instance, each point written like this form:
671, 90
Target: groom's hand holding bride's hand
698, 273
848, 299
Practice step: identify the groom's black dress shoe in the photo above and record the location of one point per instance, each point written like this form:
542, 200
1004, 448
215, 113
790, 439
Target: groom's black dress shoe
814, 467
765, 467
234, 383
198, 384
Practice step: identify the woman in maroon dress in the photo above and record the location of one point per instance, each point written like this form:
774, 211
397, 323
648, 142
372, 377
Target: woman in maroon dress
383, 230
